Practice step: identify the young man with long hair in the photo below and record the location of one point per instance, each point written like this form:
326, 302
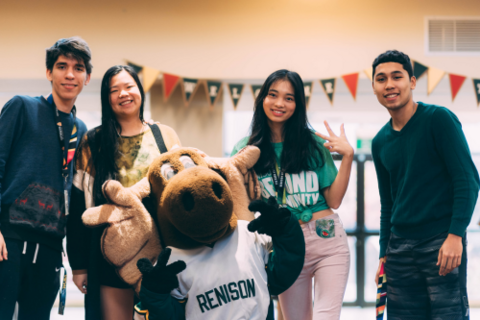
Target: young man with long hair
38, 139
428, 189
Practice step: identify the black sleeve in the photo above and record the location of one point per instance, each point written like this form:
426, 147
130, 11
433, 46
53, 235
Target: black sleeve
160, 306
11, 124
287, 257
452, 146
386, 201
78, 235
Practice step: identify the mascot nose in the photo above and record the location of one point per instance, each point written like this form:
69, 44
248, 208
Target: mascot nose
188, 200
199, 203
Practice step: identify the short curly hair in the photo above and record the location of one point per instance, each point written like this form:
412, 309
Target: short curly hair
394, 56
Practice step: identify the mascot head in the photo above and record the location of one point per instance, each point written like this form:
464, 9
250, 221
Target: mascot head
196, 201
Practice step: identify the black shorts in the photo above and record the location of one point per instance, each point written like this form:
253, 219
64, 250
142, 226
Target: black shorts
108, 275
415, 290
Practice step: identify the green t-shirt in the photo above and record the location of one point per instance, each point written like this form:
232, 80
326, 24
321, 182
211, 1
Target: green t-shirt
303, 190
136, 153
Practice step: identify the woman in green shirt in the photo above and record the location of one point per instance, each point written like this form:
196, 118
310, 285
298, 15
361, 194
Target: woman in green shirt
296, 167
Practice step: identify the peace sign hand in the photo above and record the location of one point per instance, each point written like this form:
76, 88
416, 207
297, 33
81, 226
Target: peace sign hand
161, 278
336, 143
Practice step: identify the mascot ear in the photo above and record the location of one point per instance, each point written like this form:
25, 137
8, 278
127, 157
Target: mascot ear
246, 158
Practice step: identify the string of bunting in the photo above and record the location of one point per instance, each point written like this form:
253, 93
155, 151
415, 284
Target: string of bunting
213, 88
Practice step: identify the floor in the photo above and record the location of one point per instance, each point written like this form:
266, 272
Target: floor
348, 313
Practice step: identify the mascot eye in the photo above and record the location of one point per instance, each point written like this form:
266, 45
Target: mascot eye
167, 171
187, 162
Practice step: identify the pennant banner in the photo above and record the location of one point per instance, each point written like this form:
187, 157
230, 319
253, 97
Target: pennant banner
476, 88
189, 86
149, 77
328, 86
434, 77
456, 82
369, 74
235, 92
213, 87
170, 81
418, 69
351, 80
255, 90
308, 91
135, 67
213, 91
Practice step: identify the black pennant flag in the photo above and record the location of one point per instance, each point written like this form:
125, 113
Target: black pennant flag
328, 86
135, 67
419, 69
235, 92
213, 91
189, 86
476, 87
256, 90
308, 92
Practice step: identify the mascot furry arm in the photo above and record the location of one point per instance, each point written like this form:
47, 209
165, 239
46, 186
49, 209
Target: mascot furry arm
224, 270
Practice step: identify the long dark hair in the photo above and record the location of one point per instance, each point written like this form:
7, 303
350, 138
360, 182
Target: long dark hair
106, 141
299, 145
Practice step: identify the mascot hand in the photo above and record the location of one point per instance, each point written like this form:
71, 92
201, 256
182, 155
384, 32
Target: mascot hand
161, 278
272, 220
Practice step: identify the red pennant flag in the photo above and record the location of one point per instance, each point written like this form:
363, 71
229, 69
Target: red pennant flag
170, 81
456, 82
351, 80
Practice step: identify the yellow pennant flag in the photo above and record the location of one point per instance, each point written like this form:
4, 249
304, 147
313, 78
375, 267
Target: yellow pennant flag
434, 77
149, 77
368, 72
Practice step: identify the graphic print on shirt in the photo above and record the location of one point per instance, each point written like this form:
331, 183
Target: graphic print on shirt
226, 293
134, 157
302, 188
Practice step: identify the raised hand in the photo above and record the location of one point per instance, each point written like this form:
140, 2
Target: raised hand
336, 143
272, 220
162, 278
3, 249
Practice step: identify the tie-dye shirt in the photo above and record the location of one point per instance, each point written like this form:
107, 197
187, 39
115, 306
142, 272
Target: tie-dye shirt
135, 155
303, 190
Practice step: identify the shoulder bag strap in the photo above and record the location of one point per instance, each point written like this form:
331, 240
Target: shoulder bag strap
158, 138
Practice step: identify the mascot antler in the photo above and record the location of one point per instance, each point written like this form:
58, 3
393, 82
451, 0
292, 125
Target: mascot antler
131, 233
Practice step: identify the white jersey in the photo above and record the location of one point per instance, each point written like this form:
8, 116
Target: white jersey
227, 281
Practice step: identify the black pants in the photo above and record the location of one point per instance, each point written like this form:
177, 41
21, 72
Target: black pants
32, 279
415, 289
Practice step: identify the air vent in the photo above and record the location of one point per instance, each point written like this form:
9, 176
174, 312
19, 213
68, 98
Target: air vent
453, 35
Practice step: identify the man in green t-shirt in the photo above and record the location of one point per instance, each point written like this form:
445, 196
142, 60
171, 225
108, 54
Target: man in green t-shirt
428, 188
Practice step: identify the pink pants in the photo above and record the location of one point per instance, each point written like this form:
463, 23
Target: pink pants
327, 259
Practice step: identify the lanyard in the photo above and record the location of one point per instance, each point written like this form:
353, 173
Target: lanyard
63, 293
278, 177
66, 156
